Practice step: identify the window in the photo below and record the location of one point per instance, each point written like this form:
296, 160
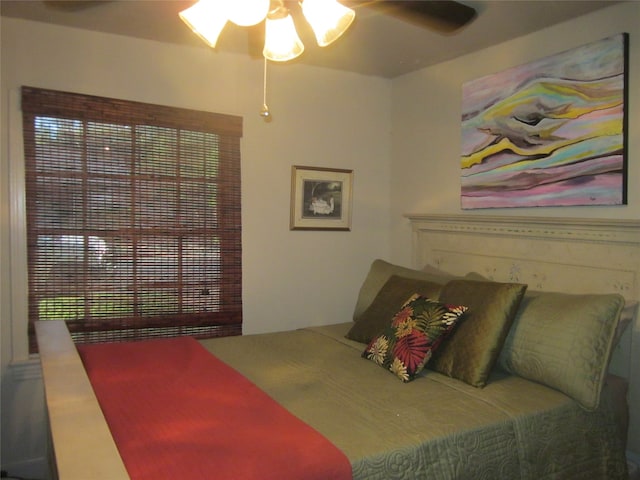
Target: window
133, 218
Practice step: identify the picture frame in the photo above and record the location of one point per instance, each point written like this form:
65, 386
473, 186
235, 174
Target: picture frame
321, 198
549, 133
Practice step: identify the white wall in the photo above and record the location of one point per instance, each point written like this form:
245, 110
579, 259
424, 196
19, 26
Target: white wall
290, 278
426, 105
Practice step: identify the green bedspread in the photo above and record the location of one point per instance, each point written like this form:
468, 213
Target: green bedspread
432, 428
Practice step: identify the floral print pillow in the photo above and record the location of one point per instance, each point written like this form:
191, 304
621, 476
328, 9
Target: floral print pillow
405, 346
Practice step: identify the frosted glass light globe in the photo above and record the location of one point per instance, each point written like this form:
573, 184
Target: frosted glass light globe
247, 12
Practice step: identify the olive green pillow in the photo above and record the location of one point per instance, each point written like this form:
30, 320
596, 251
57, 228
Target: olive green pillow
564, 341
387, 302
379, 273
472, 350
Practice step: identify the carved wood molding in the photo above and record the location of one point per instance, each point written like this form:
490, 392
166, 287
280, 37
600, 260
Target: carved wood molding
570, 229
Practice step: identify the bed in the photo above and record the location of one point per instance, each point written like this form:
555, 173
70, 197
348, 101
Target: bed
486, 403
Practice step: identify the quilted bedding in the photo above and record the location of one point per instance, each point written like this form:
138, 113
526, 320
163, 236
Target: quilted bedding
434, 427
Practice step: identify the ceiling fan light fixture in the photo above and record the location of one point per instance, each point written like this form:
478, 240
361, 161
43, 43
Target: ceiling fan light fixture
328, 19
281, 41
206, 19
246, 13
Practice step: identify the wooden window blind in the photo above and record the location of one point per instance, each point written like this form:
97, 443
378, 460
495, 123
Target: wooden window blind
133, 218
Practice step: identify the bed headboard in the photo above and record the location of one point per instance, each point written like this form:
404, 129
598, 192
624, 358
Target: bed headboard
554, 254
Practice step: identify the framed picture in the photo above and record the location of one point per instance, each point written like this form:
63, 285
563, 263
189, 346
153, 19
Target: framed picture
552, 132
320, 198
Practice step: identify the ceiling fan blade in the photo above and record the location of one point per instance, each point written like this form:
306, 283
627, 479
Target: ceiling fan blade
73, 5
445, 16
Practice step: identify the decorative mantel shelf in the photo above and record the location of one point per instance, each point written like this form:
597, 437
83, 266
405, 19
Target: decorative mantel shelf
618, 231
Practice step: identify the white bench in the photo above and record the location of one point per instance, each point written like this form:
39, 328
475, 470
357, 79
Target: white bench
82, 445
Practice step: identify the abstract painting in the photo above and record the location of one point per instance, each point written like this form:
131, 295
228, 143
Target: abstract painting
548, 133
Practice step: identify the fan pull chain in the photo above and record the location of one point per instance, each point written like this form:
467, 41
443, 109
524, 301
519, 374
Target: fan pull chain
264, 112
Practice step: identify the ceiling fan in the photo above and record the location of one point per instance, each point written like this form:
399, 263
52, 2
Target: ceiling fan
443, 16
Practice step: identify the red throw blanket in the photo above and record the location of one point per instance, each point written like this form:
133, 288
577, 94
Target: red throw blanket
177, 412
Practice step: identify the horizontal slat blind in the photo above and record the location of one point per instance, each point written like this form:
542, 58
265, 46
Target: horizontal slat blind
134, 222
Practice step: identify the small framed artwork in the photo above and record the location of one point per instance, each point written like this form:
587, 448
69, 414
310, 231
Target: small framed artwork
320, 198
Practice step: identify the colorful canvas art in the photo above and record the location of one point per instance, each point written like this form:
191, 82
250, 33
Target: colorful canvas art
548, 133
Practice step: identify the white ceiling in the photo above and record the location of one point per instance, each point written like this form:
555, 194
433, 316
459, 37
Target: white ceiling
376, 44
